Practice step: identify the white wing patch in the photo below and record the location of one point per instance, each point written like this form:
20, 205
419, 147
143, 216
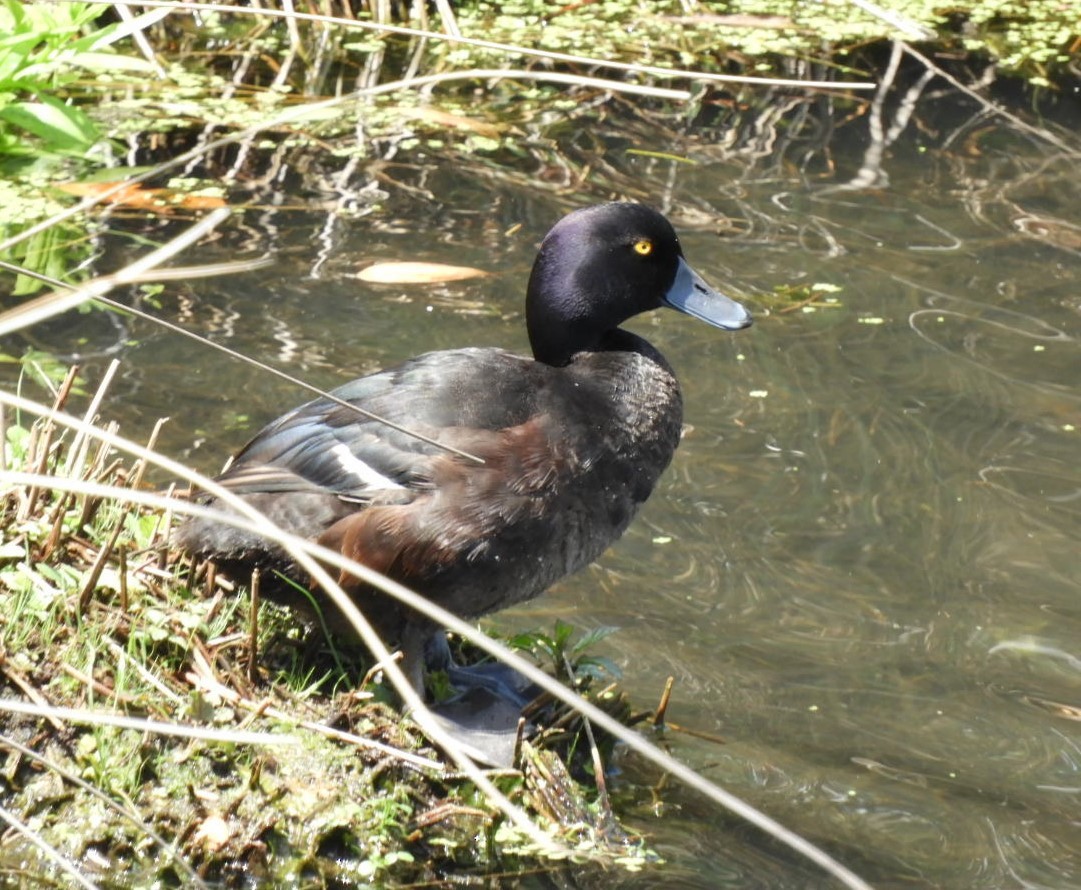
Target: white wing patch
364, 474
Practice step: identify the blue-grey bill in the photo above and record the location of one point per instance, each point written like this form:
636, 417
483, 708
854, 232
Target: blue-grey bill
689, 293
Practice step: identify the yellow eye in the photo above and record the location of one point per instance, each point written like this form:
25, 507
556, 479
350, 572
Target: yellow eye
643, 247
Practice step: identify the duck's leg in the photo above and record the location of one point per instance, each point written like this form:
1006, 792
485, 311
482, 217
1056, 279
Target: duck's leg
414, 647
495, 677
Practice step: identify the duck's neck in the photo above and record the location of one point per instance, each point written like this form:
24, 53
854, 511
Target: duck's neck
551, 345
630, 374
619, 340
560, 351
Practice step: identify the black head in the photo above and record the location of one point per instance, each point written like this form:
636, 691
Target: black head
601, 265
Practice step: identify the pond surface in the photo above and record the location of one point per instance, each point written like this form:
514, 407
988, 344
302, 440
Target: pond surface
863, 567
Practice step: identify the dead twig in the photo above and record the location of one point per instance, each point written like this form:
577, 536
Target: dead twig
253, 627
662, 706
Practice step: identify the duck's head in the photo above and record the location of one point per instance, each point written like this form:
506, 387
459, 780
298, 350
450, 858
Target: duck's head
601, 265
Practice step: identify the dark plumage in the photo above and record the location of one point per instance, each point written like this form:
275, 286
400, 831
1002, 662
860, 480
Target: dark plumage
572, 440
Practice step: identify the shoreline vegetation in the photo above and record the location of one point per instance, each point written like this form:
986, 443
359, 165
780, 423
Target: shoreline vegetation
161, 731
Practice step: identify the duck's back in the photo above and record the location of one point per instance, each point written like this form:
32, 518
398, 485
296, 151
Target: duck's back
568, 453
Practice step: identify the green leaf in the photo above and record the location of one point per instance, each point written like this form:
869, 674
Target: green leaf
592, 637
61, 127
13, 16
16, 53
93, 61
562, 633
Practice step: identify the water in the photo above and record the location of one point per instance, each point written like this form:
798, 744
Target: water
862, 567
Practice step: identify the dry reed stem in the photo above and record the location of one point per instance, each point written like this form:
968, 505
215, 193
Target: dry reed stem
80, 444
94, 575
604, 803
140, 465
253, 626
43, 443
662, 705
60, 510
281, 375
84, 716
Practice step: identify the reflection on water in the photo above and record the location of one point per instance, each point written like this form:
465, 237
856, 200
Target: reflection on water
862, 568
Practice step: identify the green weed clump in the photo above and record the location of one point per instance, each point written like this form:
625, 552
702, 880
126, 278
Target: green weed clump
50, 53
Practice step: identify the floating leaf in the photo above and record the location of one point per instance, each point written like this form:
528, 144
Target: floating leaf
417, 273
139, 198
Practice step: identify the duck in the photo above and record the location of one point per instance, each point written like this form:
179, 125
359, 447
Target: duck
553, 453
